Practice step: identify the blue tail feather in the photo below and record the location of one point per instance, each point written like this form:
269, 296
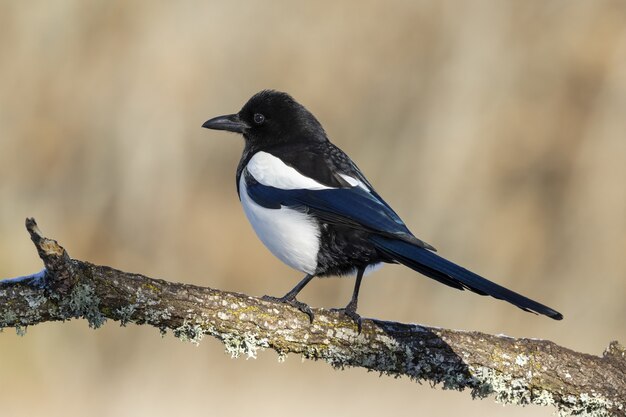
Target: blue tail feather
449, 273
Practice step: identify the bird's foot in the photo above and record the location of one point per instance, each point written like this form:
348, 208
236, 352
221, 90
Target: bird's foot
350, 312
292, 302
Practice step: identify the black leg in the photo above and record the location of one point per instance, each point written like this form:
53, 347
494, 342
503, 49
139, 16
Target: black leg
290, 297
355, 294
350, 309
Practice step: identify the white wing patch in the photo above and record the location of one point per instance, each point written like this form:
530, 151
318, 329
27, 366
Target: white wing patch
272, 172
292, 236
354, 182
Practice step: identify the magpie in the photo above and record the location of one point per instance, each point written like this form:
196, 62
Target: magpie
314, 209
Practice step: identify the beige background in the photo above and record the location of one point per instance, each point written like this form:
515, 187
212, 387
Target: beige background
496, 129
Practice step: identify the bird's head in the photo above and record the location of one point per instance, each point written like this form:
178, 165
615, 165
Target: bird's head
270, 118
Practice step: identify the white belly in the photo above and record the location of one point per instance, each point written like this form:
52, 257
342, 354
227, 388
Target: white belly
292, 236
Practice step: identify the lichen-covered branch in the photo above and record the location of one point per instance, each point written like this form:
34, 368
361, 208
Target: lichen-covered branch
518, 371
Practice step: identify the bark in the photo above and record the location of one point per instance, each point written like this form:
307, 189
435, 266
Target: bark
518, 371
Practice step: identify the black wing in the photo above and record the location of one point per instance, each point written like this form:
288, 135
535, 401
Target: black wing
352, 206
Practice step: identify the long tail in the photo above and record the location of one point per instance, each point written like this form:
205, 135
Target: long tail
446, 272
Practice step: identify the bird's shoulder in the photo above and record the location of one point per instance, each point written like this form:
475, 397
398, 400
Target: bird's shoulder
323, 163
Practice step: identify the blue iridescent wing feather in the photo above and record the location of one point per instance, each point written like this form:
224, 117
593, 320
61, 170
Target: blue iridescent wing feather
352, 206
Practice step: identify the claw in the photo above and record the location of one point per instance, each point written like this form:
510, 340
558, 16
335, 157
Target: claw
303, 307
355, 318
351, 313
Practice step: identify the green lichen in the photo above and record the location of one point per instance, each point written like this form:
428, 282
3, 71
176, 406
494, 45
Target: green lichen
189, 332
83, 302
518, 391
282, 356
20, 330
35, 300
504, 388
236, 345
146, 298
19, 315
246, 344
156, 315
125, 314
11, 317
8, 317
587, 405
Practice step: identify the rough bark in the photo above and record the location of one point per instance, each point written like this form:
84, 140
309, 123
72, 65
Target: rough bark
517, 371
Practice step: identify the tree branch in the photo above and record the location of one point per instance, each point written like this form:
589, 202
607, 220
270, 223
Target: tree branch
517, 371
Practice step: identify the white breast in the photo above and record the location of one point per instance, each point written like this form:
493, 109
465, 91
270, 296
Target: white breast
292, 236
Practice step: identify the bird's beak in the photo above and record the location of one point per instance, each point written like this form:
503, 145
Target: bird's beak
230, 122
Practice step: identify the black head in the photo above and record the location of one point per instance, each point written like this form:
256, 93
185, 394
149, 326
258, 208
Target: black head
271, 117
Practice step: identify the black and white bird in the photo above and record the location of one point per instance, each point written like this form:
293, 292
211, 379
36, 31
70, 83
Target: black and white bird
315, 210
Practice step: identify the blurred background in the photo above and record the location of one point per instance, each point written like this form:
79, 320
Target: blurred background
503, 122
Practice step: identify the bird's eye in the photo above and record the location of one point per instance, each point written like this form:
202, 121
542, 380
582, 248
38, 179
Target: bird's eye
259, 118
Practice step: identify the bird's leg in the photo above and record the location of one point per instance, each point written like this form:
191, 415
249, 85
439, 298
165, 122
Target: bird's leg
290, 297
350, 309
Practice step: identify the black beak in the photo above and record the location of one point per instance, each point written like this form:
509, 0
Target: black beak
230, 122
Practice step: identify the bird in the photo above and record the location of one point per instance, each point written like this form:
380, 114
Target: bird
315, 210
